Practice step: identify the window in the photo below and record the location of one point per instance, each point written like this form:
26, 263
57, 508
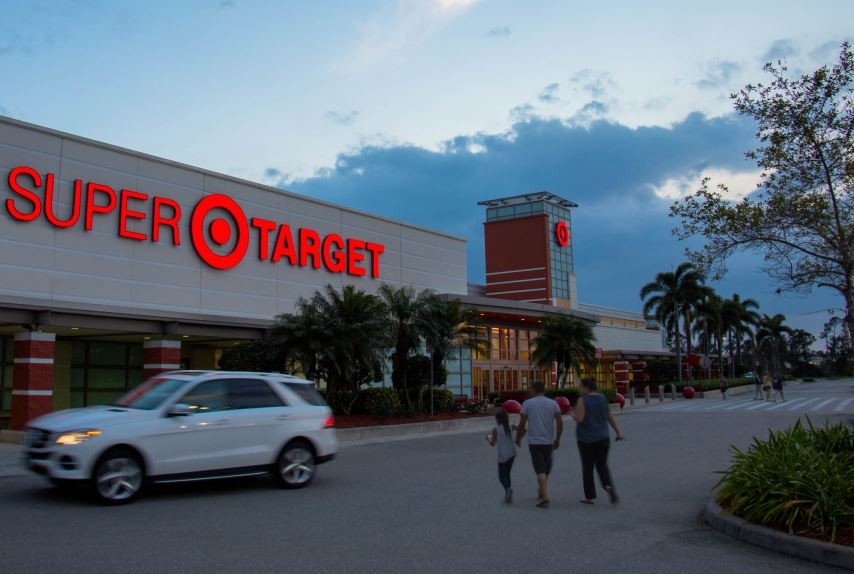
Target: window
251, 394
101, 371
150, 394
207, 397
307, 393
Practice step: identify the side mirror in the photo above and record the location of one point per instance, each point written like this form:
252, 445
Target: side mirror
179, 410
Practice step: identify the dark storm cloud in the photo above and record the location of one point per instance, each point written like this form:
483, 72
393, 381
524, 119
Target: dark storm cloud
342, 118
500, 32
719, 73
549, 94
621, 229
779, 50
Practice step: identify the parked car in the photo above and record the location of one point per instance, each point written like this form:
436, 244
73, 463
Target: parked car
187, 425
748, 375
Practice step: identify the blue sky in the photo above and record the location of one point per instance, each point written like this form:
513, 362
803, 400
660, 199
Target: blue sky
417, 109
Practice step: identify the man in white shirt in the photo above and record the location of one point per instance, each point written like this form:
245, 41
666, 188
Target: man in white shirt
541, 419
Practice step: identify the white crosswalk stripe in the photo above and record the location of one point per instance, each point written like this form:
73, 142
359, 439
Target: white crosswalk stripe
841, 407
745, 404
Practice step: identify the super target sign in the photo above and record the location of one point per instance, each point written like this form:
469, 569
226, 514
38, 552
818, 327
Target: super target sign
220, 230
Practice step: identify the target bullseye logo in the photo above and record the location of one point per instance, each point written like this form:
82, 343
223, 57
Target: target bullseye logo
220, 231
562, 233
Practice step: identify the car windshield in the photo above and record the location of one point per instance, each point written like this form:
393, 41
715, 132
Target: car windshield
150, 394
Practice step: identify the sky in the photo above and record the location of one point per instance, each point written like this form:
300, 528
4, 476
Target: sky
418, 109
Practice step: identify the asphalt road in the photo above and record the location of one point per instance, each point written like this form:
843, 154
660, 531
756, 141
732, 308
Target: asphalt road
421, 505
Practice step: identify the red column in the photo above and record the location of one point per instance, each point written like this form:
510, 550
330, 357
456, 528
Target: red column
32, 377
159, 356
621, 376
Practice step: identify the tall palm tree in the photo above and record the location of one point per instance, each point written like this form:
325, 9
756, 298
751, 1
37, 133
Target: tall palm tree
407, 314
450, 326
745, 317
711, 313
770, 341
563, 340
669, 297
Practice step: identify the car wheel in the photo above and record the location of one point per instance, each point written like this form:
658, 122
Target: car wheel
295, 465
118, 477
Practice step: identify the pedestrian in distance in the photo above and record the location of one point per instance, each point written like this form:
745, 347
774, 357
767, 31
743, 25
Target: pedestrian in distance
540, 419
777, 386
502, 437
724, 386
593, 415
757, 386
766, 385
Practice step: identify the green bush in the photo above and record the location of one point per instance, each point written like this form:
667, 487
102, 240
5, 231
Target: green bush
800, 479
343, 401
443, 400
610, 393
379, 401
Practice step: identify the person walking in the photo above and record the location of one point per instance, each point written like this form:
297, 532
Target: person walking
777, 386
757, 387
766, 385
593, 416
724, 386
540, 419
502, 436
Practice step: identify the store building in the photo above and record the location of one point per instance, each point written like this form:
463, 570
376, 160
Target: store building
116, 265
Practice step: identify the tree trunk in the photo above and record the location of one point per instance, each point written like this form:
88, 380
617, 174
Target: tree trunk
848, 324
688, 341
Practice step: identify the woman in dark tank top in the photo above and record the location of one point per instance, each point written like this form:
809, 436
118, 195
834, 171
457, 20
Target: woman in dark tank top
593, 416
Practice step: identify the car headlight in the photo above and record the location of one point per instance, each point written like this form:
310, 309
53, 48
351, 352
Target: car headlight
78, 436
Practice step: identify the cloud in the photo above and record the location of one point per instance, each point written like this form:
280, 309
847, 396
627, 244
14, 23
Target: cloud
275, 177
225, 4
549, 94
739, 183
499, 32
780, 50
828, 53
623, 179
394, 30
718, 73
522, 113
594, 83
342, 118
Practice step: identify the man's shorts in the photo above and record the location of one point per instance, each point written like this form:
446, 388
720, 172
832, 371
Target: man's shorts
541, 458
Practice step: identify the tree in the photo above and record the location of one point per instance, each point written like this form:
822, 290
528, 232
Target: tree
743, 318
800, 219
835, 354
563, 340
407, 313
771, 343
799, 350
669, 297
450, 326
336, 336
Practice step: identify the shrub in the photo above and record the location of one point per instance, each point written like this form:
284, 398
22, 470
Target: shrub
800, 479
343, 401
443, 400
610, 393
379, 401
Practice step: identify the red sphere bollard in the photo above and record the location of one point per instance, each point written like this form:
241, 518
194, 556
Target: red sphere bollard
564, 404
512, 407
688, 392
621, 400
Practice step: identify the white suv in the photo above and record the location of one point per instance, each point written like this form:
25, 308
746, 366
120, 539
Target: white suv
187, 425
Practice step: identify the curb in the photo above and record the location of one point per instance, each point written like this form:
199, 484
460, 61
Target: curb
13, 436
781, 542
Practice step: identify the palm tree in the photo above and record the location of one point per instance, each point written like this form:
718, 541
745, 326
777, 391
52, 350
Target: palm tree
669, 298
744, 317
451, 326
336, 336
407, 316
770, 341
711, 313
563, 340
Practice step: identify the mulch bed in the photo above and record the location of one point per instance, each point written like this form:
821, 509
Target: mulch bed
353, 421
